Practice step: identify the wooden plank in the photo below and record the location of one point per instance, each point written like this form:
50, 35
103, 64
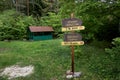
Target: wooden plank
71, 22
73, 43
72, 37
73, 28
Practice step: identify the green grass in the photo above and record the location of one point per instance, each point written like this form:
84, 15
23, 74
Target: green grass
50, 59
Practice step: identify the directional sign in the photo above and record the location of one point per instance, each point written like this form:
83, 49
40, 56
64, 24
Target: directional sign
73, 43
73, 28
71, 25
70, 37
70, 22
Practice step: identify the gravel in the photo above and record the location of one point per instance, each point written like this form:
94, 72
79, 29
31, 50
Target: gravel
17, 71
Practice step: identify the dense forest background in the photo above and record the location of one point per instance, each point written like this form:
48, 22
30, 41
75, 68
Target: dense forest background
101, 19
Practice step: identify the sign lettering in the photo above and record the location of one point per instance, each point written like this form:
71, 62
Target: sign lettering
73, 28
72, 37
71, 22
73, 43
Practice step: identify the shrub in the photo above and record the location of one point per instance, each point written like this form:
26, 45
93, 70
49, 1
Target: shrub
114, 56
13, 26
53, 20
106, 64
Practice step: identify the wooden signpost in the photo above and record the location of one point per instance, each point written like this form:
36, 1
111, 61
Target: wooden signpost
72, 38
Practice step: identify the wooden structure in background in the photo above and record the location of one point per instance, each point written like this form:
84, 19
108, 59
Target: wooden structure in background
40, 32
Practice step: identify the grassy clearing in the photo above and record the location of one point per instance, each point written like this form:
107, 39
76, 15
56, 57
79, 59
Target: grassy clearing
51, 60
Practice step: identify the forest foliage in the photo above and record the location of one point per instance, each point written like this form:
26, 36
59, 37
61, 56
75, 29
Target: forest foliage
13, 26
101, 19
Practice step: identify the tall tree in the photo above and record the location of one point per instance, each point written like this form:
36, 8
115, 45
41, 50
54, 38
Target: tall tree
32, 7
5, 4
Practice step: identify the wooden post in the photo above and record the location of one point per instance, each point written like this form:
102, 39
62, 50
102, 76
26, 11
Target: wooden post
72, 50
72, 56
72, 15
16, 5
27, 7
72, 39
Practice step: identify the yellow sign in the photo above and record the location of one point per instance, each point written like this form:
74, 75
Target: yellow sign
73, 43
73, 28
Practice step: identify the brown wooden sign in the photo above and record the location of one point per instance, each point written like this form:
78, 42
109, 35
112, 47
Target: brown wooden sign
70, 37
70, 22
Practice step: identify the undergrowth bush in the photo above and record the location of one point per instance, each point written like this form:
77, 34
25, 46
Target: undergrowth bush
13, 25
53, 20
105, 64
114, 56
